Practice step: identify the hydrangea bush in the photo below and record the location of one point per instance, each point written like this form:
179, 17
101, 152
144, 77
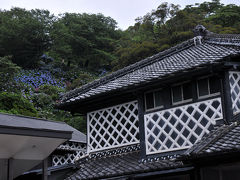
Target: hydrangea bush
41, 88
37, 78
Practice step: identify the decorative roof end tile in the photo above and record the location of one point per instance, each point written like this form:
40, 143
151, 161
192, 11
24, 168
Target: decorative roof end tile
200, 30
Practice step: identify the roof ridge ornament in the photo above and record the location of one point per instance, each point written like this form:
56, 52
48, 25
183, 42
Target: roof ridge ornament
197, 40
200, 30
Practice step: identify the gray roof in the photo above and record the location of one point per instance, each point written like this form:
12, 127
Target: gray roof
189, 55
36, 124
31, 122
78, 136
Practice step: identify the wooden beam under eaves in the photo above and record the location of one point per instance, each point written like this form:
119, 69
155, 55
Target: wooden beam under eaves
232, 64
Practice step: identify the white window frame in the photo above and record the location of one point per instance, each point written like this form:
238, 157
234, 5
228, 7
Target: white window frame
209, 93
182, 101
154, 103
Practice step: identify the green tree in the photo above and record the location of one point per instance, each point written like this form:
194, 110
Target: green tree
24, 35
167, 26
7, 72
164, 12
226, 16
135, 52
86, 40
16, 104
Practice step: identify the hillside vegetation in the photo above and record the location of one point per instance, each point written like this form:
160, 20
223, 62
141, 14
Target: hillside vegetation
42, 55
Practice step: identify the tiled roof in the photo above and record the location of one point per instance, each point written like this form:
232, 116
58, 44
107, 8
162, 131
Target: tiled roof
223, 139
119, 165
189, 55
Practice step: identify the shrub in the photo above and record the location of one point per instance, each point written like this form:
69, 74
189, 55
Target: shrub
42, 100
81, 80
77, 122
52, 91
7, 71
16, 104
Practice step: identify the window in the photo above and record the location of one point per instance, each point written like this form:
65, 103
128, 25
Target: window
208, 86
154, 99
182, 93
149, 100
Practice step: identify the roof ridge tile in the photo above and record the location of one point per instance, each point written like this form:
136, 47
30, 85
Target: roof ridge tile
166, 63
127, 69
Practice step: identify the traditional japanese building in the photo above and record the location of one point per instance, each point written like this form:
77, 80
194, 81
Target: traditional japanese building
165, 116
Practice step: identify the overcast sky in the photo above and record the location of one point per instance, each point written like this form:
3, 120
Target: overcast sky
123, 11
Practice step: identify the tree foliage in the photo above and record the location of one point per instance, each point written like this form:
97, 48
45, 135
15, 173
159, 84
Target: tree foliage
93, 42
167, 26
24, 35
7, 71
16, 104
86, 40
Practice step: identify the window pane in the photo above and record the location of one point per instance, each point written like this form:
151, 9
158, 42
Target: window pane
187, 91
215, 85
203, 87
158, 99
177, 93
149, 100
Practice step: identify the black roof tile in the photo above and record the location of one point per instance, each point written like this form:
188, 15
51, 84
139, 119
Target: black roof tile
225, 138
119, 165
186, 56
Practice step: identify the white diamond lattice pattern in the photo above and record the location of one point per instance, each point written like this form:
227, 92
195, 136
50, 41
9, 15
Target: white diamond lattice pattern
78, 151
179, 128
234, 80
113, 127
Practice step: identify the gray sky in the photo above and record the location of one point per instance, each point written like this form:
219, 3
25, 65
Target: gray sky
123, 11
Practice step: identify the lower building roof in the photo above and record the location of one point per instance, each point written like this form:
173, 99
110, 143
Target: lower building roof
224, 139
22, 125
39, 127
78, 136
123, 164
